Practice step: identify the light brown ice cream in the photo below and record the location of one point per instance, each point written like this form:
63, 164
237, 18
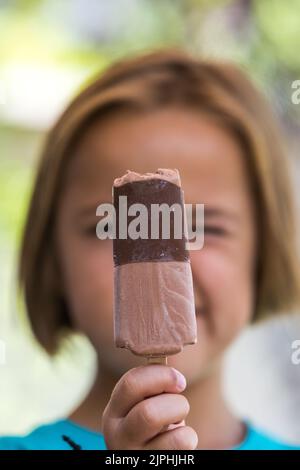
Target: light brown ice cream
162, 173
154, 305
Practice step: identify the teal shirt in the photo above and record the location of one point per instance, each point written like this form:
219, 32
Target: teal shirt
61, 434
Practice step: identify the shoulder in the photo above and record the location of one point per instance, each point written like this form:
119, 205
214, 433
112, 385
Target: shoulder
59, 435
257, 439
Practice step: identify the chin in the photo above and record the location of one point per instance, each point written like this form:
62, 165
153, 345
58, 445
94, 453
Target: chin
194, 363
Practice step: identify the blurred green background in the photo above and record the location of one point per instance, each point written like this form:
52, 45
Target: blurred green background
48, 48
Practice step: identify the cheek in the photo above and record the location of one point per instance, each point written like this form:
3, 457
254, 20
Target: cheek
88, 279
226, 282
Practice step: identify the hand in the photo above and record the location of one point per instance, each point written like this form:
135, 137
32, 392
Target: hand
146, 411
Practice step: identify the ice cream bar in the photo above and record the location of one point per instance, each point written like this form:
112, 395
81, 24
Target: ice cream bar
154, 311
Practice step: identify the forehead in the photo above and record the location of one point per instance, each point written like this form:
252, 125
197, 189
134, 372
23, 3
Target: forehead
209, 159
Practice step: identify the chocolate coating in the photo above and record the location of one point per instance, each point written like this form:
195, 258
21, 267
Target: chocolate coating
148, 192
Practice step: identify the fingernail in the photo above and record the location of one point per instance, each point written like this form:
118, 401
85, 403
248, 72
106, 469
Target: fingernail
180, 380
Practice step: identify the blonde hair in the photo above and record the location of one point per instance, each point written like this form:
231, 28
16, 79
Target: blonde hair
141, 84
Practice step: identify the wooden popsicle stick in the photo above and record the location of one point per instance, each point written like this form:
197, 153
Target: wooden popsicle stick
157, 360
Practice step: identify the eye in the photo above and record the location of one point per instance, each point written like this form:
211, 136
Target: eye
209, 230
91, 231
214, 230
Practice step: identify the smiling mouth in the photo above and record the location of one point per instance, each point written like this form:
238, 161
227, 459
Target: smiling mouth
199, 311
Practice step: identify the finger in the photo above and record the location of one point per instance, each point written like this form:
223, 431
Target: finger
181, 438
151, 416
143, 382
168, 427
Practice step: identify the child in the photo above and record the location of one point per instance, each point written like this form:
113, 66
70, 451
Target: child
162, 110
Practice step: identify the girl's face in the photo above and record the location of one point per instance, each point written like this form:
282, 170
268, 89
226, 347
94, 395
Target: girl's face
213, 172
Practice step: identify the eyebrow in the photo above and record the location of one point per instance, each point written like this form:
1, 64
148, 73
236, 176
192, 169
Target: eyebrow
209, 212
90, 210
